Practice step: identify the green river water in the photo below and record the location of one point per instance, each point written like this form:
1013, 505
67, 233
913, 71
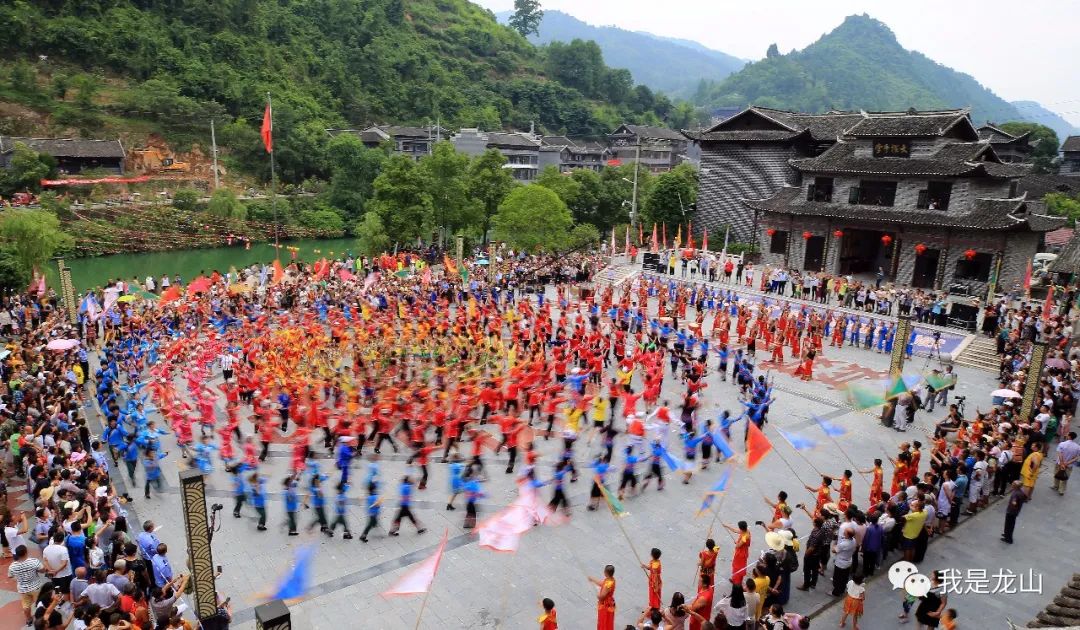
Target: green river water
87, 273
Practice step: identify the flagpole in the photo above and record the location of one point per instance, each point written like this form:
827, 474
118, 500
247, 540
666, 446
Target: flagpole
423, 604
273, 185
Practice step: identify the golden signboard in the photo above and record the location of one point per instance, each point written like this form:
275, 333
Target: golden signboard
1031, 383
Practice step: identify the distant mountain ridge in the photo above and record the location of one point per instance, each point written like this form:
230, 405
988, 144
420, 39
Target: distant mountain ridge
1034, 112
671, 65
859, 65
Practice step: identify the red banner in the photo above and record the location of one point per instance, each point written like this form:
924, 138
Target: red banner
90, 182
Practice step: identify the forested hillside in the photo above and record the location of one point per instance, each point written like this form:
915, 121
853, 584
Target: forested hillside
859, 65
168, 66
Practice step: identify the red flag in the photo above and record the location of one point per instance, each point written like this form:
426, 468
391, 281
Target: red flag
665, 235
655, 244
1049, 304
705, 241
689, 236
279, 272
268, 129
757, 445
419, 579
170, 295
640, 235
1027, 278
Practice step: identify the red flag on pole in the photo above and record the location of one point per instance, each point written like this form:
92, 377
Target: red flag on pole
665, 235
419, 579
1027, 278
268, 129
1049, 304
757, 445
689, 236
655, 244
705, 241
640, 235
613, 241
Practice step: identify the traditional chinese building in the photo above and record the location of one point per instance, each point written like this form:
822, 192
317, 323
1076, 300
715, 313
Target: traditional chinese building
916, 194
1008, 147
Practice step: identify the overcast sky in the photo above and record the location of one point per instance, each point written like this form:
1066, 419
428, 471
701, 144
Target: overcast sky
1026, 50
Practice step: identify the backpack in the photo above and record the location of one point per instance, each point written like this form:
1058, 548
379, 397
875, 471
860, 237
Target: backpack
791, 560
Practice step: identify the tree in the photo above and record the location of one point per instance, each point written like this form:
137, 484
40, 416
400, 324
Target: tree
32, 237
186, 199
371, 236
1062, 205
223, 203
489, 184
533, 217
446, 174
353, 168
26, 170
583, 235
86, 86
322, 219
402, 199
563, 185
526, 17
12, 276
669, 199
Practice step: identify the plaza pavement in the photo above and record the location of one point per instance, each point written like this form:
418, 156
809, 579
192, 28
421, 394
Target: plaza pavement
478, 588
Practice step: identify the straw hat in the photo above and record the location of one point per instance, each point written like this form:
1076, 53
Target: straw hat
831, 508
775, 540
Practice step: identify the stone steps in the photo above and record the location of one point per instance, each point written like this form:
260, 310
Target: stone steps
980, 354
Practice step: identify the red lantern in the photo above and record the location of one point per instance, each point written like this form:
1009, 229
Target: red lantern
920, 249
770, 232
886, 240
807, 235
970, 254
838, 234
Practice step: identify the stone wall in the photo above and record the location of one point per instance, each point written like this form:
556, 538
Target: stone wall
730, 172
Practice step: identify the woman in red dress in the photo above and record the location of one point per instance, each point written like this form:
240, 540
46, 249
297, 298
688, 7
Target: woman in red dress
741, 558
605, 599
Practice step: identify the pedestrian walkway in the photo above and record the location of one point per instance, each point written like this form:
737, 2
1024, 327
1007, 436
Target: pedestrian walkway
991, 573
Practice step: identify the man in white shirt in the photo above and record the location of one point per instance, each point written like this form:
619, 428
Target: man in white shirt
58, 563
1068, 453
101, 593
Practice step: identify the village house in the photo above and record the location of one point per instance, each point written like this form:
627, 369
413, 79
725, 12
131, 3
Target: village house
1070, 157
73, 155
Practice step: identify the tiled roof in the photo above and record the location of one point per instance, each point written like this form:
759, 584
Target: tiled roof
511, 140
954, 159
66, 147
916, 124
1072, 143
822, 127
407, 132
744, 135
987, 214
1068, 260
654, 133
557, 141
1038, 186
997, 135
1059, 236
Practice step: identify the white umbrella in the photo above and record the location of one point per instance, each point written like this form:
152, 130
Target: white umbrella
62, 344
1005, 393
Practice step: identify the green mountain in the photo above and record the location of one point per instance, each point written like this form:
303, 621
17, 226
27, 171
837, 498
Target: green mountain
119, 67
1034, 112
673, 66
859, 65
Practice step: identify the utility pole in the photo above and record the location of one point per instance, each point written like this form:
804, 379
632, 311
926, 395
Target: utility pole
213, 143
633, 199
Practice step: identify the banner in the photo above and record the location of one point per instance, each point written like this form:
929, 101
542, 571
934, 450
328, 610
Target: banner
90, 182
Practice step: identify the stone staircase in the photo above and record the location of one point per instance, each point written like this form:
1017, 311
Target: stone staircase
981, 354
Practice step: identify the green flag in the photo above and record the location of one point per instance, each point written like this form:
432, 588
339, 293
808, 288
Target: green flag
862, 397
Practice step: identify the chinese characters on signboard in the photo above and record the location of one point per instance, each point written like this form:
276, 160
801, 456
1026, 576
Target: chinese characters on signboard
892, 148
